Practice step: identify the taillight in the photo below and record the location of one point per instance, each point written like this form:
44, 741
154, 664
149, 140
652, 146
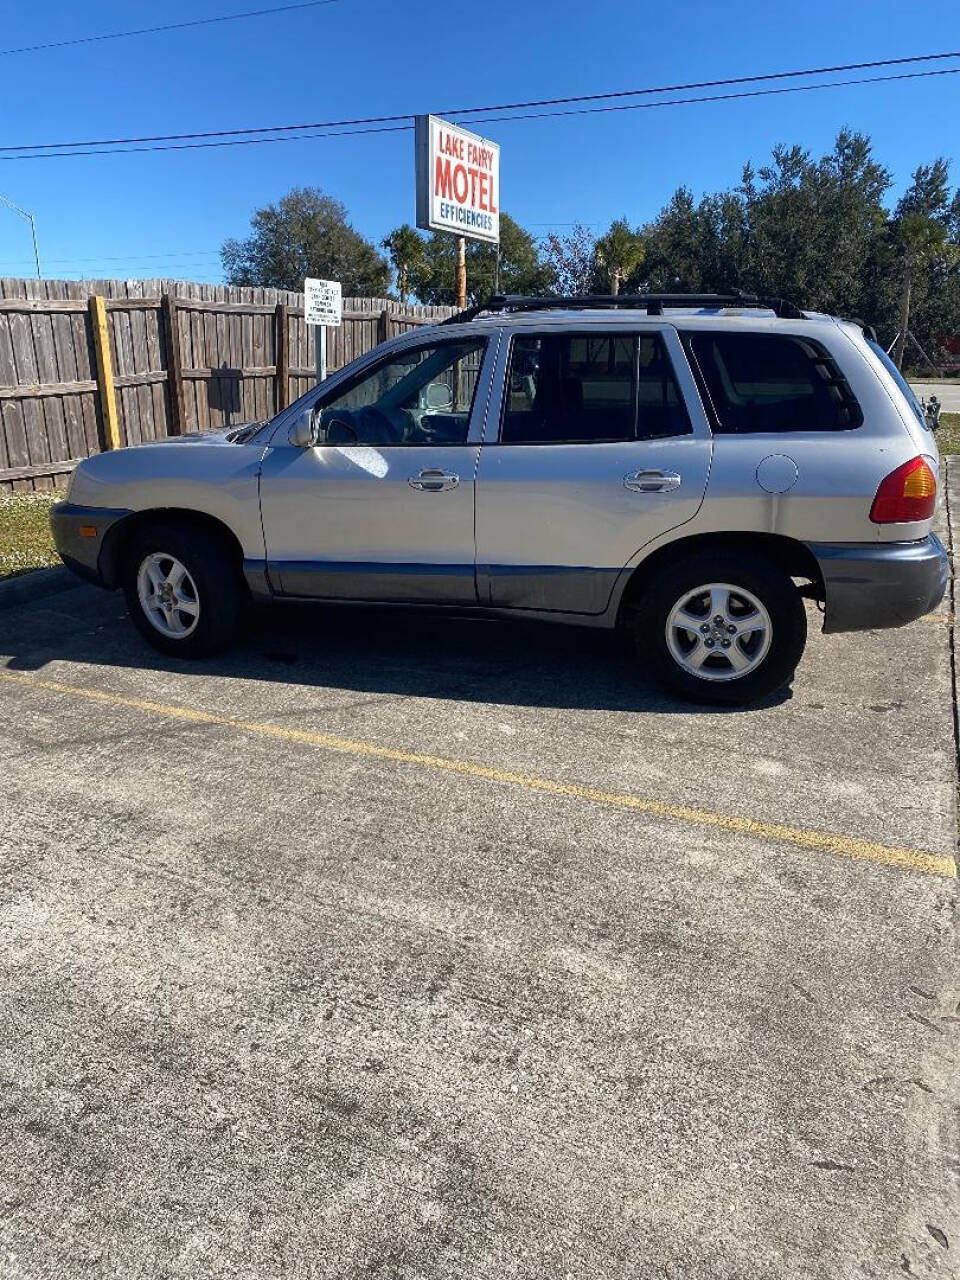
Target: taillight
907, 494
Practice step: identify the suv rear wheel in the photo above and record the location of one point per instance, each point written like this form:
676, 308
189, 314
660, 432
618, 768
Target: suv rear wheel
721, 627
183, 589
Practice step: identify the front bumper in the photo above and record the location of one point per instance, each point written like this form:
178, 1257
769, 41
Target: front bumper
79, 533
880, 584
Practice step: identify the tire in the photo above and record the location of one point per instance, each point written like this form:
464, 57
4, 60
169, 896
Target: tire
204, 604
745, 658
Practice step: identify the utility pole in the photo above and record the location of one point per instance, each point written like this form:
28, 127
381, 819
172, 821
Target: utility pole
461, 273
33, 227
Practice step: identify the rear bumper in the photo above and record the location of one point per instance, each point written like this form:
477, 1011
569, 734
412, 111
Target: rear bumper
880, 584
79, 532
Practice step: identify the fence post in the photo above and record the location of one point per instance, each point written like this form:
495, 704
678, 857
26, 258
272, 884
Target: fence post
108, 395
283, 358
382, 322
178, 409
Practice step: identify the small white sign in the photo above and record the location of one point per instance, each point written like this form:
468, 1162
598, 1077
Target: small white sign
323, 302
458, 180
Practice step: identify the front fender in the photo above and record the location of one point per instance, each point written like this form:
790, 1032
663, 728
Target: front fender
214, 481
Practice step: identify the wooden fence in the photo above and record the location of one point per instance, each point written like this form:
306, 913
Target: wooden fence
98, 364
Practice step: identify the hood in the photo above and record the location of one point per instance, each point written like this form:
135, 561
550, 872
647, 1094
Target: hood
230, 435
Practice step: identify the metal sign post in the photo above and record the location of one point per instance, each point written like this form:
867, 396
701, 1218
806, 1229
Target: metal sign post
322, 306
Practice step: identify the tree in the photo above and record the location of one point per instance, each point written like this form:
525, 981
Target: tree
405, 247
811, 223
619, 253
684, 245
922, 224
305, 234
570, 259
818, 231
922, 240
434, 277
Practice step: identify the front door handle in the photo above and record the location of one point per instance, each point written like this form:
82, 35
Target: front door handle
652, 481
433, 480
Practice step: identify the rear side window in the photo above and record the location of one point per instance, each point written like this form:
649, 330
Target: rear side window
901, 382
587, 388
773, 382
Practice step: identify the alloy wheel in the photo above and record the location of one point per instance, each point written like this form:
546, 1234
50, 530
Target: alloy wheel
719, 632
168, 595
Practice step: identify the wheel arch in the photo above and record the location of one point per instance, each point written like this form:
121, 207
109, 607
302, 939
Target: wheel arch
792, 557
117, 540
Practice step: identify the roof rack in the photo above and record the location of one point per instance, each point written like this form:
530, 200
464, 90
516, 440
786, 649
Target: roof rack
652, 303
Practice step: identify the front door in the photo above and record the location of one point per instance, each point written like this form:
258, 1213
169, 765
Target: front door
382, 508
603, 446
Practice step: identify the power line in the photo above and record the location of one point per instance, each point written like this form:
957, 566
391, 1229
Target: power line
715, 97
501, 106
201, 146
539, 115
170, 26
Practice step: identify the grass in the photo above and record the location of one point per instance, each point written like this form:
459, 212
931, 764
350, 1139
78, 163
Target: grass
948, 437
25, 539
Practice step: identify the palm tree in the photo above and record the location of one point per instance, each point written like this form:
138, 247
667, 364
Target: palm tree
619, 253
405, 246
922, 239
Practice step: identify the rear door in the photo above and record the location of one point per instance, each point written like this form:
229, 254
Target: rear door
602, 445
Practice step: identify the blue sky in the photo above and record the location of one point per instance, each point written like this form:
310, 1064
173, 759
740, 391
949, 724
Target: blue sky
167, 213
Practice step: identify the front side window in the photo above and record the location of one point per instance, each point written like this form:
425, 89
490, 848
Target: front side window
772, 382
419, 395
590, 388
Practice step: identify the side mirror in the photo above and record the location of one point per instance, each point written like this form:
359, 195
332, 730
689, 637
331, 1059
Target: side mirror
303, 430
438, 395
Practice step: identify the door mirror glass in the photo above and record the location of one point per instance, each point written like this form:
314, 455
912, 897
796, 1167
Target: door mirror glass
438, 395
303, 431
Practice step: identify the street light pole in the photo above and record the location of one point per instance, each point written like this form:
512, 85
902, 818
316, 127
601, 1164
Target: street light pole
33, 228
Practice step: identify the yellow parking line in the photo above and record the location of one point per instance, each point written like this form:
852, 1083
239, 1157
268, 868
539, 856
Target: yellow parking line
776, 832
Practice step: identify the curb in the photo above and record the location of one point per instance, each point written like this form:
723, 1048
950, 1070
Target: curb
27, 587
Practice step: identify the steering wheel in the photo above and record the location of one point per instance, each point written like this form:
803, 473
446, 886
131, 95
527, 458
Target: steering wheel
380, 425
339, 424
374, 426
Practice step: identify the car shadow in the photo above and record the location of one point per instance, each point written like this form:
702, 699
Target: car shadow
366, 649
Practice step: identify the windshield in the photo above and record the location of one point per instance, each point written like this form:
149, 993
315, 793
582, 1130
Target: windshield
900, 380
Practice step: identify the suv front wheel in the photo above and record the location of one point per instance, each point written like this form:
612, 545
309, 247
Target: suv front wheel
183, 589
721, 627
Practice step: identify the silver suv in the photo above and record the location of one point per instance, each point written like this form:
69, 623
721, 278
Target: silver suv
687, 468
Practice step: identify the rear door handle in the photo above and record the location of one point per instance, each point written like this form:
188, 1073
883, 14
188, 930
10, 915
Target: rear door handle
433, 480
652, 481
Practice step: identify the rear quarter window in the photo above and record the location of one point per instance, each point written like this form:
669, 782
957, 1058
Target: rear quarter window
901, 382
772, 383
